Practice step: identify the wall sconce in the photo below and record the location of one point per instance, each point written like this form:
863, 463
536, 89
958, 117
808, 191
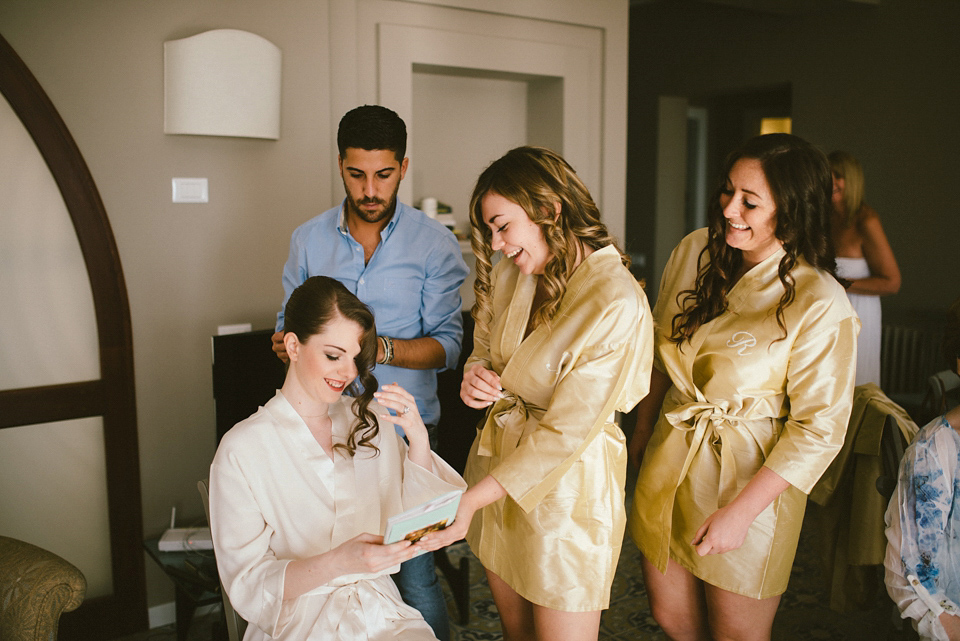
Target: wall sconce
223, 82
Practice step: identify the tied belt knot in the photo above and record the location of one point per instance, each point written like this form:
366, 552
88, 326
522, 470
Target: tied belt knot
707, 422
358, 605
505, 425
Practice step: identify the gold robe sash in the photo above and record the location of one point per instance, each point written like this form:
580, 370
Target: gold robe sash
707, 422
506, 423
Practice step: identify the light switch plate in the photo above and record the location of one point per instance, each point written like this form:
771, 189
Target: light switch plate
190, 190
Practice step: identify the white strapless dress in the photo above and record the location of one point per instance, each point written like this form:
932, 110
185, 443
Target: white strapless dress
868, 309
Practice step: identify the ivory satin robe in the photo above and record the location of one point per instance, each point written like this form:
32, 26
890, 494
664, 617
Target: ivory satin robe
552, 441
276, 496
742, 399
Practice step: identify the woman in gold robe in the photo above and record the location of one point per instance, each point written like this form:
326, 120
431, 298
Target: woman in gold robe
563, 341
750, 395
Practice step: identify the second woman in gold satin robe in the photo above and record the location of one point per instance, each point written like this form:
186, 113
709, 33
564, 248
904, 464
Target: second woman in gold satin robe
753, 386
742, 399
563, 341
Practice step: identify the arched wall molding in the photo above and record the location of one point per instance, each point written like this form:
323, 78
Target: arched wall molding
112, 396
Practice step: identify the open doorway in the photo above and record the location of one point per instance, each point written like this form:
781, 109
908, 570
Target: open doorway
735, 116
726, 120
694, 135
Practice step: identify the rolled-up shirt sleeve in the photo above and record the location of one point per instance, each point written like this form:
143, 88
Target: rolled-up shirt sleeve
441, 303
294, 272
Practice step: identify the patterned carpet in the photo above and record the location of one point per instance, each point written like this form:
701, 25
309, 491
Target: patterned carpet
803, 615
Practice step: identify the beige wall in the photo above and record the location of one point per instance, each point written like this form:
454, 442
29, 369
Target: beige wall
880, 82
48, 336
190, 268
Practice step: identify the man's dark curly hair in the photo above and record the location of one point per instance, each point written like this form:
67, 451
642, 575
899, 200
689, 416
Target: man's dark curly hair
372, 127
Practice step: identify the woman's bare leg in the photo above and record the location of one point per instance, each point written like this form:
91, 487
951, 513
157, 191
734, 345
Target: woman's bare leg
557, 625
521, 620
677, 602
516, 613
737, 617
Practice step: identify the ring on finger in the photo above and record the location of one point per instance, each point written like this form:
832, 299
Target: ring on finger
406, 408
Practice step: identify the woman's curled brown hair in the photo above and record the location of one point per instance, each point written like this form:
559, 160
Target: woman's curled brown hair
311, 306
799, 179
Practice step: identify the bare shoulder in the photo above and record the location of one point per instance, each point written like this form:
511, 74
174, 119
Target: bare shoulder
868, 219
870, 228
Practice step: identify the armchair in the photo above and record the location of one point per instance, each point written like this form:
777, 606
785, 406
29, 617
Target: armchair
36, 586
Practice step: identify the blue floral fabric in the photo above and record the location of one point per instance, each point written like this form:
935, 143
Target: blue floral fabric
929, 496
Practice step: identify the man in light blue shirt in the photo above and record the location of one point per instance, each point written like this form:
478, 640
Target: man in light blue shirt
408, 268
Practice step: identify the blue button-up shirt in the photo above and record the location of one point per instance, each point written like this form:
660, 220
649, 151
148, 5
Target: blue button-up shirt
412, 283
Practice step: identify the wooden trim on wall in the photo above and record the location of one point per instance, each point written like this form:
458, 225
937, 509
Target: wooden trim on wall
113, 396
33, 405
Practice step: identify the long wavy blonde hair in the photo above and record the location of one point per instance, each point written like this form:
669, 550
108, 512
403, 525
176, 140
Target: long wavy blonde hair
537, 179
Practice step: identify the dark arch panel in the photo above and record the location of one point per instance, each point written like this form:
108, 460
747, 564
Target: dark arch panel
112, 396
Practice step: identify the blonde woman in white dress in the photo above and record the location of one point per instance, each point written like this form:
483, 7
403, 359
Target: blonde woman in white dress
864, 258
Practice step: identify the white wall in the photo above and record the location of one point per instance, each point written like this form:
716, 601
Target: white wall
456, 107
584, 44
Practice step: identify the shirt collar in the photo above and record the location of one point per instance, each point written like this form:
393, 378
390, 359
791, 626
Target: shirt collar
345, 230
342, 219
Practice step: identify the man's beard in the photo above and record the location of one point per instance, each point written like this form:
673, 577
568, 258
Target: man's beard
386, 213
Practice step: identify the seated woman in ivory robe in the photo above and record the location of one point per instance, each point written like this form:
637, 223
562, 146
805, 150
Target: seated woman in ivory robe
301, 490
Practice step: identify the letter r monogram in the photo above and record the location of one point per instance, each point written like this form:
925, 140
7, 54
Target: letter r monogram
743, 341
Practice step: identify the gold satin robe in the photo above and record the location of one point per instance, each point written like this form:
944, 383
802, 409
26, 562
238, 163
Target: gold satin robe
742, 399
552, 441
